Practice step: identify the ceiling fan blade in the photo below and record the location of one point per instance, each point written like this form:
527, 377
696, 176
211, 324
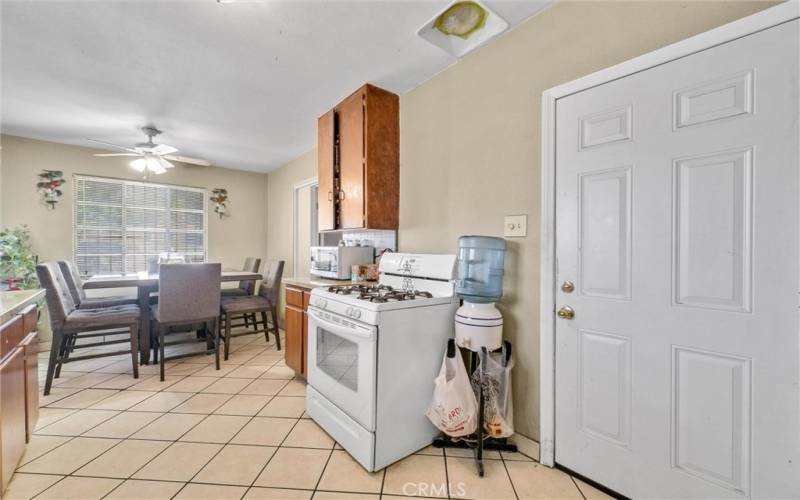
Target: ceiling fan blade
186, 159
164, 163
163, 149
117, 146
117, 154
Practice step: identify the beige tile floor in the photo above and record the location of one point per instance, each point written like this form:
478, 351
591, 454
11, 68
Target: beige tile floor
240, 432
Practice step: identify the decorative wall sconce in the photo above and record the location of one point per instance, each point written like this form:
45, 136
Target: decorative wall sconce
50, 181
220, 200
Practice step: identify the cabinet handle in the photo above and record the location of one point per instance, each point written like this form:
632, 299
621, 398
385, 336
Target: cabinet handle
341, 195
330, 195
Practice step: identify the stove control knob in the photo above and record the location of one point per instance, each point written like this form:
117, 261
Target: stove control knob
349, 311
321, 303
356, 313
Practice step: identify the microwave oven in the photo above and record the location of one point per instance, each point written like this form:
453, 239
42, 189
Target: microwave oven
335, 262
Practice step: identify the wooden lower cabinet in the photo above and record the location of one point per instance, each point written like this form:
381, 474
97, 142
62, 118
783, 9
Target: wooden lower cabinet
19, 389
295, 340
12, 412
296, 328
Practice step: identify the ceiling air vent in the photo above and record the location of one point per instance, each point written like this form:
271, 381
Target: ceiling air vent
462, 27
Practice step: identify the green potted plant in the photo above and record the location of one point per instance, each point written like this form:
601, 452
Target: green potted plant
17, 260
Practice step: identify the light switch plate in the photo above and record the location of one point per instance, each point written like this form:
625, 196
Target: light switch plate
516, 226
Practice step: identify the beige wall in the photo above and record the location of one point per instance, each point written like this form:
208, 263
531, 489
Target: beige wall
470, 143
280, 198
230, 240
281, 187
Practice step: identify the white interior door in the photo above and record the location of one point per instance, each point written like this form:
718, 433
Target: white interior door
678, 221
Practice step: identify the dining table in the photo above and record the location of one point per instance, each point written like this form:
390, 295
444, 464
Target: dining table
146, 283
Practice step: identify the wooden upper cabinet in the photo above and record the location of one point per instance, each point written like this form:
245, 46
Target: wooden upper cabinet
351, 161
365, 173
325, 162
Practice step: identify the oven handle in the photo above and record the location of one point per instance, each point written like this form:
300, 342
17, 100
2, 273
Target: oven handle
351, 333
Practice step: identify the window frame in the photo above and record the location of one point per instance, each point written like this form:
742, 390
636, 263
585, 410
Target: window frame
123, 182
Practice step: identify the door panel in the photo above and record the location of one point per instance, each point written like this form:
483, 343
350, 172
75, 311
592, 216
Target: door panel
325, 166
712, 245
351, 147
677, 219
294, 338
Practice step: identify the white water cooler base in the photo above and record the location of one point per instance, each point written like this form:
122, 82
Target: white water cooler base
479, 325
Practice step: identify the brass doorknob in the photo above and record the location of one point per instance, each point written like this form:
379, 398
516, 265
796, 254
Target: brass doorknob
566, 312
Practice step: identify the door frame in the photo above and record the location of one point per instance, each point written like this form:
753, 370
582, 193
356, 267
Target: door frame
295, 223
759, 21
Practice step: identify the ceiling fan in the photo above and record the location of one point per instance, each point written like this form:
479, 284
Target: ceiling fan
152, 157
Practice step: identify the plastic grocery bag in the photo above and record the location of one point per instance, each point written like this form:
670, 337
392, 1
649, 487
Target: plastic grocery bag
498, 417
453, 409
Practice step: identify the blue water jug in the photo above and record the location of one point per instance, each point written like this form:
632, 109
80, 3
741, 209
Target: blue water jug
480, 268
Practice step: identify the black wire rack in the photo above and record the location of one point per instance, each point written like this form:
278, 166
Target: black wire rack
478, 441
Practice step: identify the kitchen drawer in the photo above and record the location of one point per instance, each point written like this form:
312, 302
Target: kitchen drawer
11, 334
294, 297
359, 442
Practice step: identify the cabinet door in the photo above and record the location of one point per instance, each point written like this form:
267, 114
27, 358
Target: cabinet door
351, 157
31, 348
325, 156
294, 338
12, 413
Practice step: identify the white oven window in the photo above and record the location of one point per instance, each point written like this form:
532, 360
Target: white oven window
338, 358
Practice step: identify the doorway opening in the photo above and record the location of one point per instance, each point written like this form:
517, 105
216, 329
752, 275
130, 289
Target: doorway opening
305, 230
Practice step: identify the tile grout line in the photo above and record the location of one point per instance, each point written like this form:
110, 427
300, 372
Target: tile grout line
446, 474
510, 480
577, 487
322, 472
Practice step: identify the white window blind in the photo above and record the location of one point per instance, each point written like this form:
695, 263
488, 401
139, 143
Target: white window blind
118, 224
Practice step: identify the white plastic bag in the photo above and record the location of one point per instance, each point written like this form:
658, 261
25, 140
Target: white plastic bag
498, 416
453, 409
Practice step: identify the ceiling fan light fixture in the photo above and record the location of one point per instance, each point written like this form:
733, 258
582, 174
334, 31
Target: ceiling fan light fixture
138, 164
154, 165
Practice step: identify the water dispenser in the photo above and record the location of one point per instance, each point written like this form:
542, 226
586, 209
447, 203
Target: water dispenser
480, 285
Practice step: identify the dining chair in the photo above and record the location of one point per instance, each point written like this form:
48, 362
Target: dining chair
67, 321
245, 288
75, 285
265, 301
187, 294
251, 265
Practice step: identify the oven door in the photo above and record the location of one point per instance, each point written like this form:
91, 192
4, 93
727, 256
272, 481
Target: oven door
342, 364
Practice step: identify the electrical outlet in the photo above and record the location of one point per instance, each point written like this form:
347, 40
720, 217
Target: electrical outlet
516, 226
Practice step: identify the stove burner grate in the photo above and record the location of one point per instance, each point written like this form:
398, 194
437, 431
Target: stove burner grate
379, 293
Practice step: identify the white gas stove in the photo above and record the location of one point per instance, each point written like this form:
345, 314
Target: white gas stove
373, 352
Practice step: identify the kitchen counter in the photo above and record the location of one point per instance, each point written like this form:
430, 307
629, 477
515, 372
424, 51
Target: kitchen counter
316, 282
13, 302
